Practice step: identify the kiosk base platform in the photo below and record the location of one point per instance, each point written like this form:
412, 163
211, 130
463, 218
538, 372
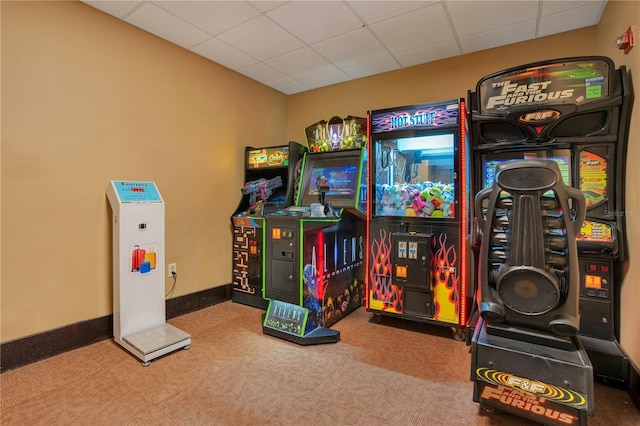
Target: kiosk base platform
155, 342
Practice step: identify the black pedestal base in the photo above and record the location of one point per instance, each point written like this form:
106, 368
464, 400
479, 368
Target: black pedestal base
546, 384
318, 336
609, 362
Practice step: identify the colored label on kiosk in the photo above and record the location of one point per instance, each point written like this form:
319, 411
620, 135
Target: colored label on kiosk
137, 192
143, 258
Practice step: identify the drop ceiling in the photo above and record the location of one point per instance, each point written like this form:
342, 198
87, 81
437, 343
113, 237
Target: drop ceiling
295, 46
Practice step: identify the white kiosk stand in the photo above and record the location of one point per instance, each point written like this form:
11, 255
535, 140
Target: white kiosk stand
139, 319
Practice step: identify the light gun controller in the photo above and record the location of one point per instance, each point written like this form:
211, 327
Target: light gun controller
323, 187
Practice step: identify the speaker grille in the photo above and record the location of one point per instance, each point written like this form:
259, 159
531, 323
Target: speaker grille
581, 125
528, 291
500, 132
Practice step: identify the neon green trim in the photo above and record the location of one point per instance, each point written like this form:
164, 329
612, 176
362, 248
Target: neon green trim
297, 196
301, 266
263, 267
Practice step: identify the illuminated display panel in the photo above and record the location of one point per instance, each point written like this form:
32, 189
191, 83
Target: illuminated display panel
593, 177
342, 172
267, 158
593, 281
560, 156
579, 81
415, 176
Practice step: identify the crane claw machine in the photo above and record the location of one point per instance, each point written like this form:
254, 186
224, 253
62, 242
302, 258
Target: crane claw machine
417, 261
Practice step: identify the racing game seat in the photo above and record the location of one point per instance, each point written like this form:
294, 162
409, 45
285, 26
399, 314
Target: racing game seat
528, 264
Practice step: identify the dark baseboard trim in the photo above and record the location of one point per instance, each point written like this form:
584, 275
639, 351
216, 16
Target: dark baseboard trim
27, 350
634, 385
195, 301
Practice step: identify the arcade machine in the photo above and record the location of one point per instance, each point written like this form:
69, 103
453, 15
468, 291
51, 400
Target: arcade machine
525, 356
576, 112
269, 174
314, 255
418, 256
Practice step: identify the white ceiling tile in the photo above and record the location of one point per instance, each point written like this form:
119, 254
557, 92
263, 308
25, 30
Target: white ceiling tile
119, 9
265, 75
428, 26
157, 21
375, 11
428, 54
261, 38
570, 20
213, 17
291, 88
223, 54
352, 48
327, 79
496, 38
473, 17
301, 63
313, 21
296, 45
372, 68
266, 5
549, 7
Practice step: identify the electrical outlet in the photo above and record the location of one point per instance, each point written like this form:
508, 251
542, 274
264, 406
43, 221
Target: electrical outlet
172, 269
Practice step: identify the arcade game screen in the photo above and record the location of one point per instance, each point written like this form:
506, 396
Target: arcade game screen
341, 170
415, 177
560, 156
341, 180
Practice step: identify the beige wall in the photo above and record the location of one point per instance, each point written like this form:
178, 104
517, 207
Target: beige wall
451, 78
87, 99
445, 79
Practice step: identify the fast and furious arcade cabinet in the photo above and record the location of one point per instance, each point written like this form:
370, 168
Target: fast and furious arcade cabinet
574, 111
315, 249
419, 207
269, 175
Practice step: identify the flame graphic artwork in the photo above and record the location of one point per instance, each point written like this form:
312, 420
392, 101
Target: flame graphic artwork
382, 292
444, 281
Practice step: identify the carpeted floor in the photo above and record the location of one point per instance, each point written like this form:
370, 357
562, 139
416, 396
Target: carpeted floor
394, 373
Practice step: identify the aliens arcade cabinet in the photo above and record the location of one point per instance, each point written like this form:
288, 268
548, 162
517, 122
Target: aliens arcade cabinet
314, 252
